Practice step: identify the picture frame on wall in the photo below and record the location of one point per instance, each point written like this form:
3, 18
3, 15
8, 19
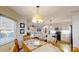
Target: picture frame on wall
22, 25
22, 31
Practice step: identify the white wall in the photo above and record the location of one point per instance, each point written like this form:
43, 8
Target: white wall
22, 20
75, 26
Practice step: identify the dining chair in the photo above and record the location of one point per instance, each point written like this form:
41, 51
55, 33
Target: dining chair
25, 48
25, 37
16, 43
75, 49
15, 47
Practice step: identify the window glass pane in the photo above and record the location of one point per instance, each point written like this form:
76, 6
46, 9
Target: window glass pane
7, 30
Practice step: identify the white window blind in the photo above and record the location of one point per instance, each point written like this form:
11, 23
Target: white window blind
7, 30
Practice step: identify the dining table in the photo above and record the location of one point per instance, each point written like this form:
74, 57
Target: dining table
34, 43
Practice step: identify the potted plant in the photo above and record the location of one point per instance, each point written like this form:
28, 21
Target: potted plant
28, 34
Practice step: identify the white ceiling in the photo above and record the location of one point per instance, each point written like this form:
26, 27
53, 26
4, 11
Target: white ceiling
56, 13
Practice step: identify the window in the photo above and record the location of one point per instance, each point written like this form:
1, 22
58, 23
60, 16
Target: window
7, 30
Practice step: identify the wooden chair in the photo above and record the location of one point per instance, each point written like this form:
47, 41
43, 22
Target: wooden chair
25, 37
25, 48
75, 49
16, 43
36, 37
15, 47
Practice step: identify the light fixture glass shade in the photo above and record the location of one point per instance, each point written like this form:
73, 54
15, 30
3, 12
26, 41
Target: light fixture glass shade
37, 18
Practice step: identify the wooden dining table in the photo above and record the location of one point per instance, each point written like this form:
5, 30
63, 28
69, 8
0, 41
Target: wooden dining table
37, 45
33, 44
47, 48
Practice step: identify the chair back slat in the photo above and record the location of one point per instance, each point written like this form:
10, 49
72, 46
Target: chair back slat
25, 37
25, 48
15, 47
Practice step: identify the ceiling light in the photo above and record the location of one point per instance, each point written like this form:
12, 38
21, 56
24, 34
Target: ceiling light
37, 18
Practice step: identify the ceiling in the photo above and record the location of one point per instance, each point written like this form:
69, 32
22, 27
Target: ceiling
56, 13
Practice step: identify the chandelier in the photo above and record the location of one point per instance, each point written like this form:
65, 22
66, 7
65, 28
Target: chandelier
37, 18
